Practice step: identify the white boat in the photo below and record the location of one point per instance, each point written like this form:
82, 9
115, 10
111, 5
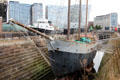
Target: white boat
43, 25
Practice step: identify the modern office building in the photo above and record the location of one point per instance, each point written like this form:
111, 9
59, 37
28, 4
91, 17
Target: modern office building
19, 12
38, 12
58, 15
75, 15
25, 11
108, 21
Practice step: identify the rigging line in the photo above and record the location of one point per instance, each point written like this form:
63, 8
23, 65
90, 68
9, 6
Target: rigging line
41, 51
16, 44
46, 47
43, 55
38, 48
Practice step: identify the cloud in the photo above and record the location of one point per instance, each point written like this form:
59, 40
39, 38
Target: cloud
102, 7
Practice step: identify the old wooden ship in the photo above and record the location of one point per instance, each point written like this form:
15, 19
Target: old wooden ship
69, 56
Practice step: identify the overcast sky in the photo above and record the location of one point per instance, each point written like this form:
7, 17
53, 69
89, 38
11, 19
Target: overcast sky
98, 7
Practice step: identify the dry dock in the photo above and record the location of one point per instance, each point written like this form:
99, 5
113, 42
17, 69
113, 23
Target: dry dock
21, 60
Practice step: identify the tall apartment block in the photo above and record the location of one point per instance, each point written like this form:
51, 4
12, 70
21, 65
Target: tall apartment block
38, 12
19, 12
108, 21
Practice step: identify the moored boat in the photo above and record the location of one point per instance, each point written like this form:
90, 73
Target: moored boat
44, 26
68, 57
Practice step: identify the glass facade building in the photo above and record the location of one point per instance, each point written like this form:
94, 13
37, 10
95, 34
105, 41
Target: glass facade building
108, 21
19, 12
75, 15
38, 12
114, 19
58, 15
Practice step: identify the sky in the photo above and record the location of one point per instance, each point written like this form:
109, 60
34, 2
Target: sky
98, 7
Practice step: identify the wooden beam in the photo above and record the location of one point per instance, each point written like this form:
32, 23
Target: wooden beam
80, 15
68, 30
86, 25
30, 29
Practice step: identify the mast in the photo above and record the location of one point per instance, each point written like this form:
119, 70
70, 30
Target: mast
80, 14
68, 28
86, 18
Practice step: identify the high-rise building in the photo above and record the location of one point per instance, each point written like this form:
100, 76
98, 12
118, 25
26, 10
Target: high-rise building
58, 15
38, 12
19, 12
75, 15
108, 21
25, 14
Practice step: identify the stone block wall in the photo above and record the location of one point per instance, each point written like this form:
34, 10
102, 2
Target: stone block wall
22, 62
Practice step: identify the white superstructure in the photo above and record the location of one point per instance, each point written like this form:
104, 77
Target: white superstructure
43, 24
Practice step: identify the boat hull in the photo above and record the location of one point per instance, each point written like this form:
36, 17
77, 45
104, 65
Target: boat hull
44, 31
67, 57
64, 63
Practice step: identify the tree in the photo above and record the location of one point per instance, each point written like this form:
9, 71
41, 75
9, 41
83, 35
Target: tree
98, 27
91, 28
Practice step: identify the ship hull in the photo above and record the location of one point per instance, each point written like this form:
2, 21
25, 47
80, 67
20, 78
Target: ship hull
66, 59
44, 31
64, 63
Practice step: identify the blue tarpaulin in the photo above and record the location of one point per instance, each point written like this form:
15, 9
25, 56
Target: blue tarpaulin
83, 40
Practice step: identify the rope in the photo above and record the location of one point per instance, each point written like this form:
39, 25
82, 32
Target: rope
42, 54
